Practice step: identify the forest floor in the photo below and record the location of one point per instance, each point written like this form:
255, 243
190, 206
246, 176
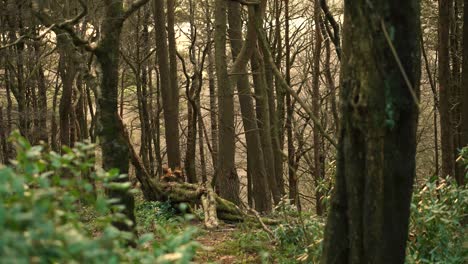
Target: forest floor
227, 245
287, 242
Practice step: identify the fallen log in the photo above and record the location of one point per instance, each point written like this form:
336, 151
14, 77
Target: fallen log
155, 190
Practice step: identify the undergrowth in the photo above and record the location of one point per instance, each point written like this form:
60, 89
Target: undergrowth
53, 209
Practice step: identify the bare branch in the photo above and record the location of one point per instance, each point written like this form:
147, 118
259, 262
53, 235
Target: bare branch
66, 25
247, 2
336, 27
266, 51
133, 7
22, 38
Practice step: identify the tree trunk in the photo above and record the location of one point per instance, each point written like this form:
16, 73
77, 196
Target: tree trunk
293, 191
319, 157
370, 206
169, 94
212, 91
41, 129
115, 152
446, 133
68, 71
455, 82
464, 86
201, 148
174, 84
3, 142
255, 159
280, 93
227, 181
263, 112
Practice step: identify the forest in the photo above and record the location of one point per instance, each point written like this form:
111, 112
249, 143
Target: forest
234, 131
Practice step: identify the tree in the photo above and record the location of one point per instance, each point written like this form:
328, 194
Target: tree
446, 132
255, 158
115, 152
227, 180
319, 156
169, 92
262, 67
464, 86
370, 206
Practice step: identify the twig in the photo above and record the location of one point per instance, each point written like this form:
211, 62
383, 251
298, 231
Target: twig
259, 219
266, 50
23, 37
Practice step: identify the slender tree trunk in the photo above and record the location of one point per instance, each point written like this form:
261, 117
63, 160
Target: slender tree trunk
277, 171
370, 206
263, 114
448, 159
464, 86
255, 158
192, 114
201, 149
212, 91
174, 84
263, 106
455, 82
157, 125
227, 181
3, 136
169, 94
293, 191
213, 110
319, 156
54, 141
280, 94
42, 100
68, 72
330, 81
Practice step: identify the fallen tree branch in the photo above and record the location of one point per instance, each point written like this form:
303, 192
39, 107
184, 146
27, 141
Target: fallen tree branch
259, 219
154, 190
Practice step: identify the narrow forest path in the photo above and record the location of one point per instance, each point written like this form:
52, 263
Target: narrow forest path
224, 245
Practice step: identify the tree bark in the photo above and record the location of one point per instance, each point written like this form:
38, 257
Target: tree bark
446, 133
227, 181
68, 72
370, 206
319, 157
255, 159
115, 153
175, 144
263, 113
169, 95
464, 86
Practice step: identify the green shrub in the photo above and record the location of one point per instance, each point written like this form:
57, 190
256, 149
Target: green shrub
45, 203
437, 233
150, 213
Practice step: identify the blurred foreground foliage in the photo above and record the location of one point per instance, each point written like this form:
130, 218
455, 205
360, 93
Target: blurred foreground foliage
53, 209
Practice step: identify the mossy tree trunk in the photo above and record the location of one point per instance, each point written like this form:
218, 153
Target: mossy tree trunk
114, 150
369, 214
